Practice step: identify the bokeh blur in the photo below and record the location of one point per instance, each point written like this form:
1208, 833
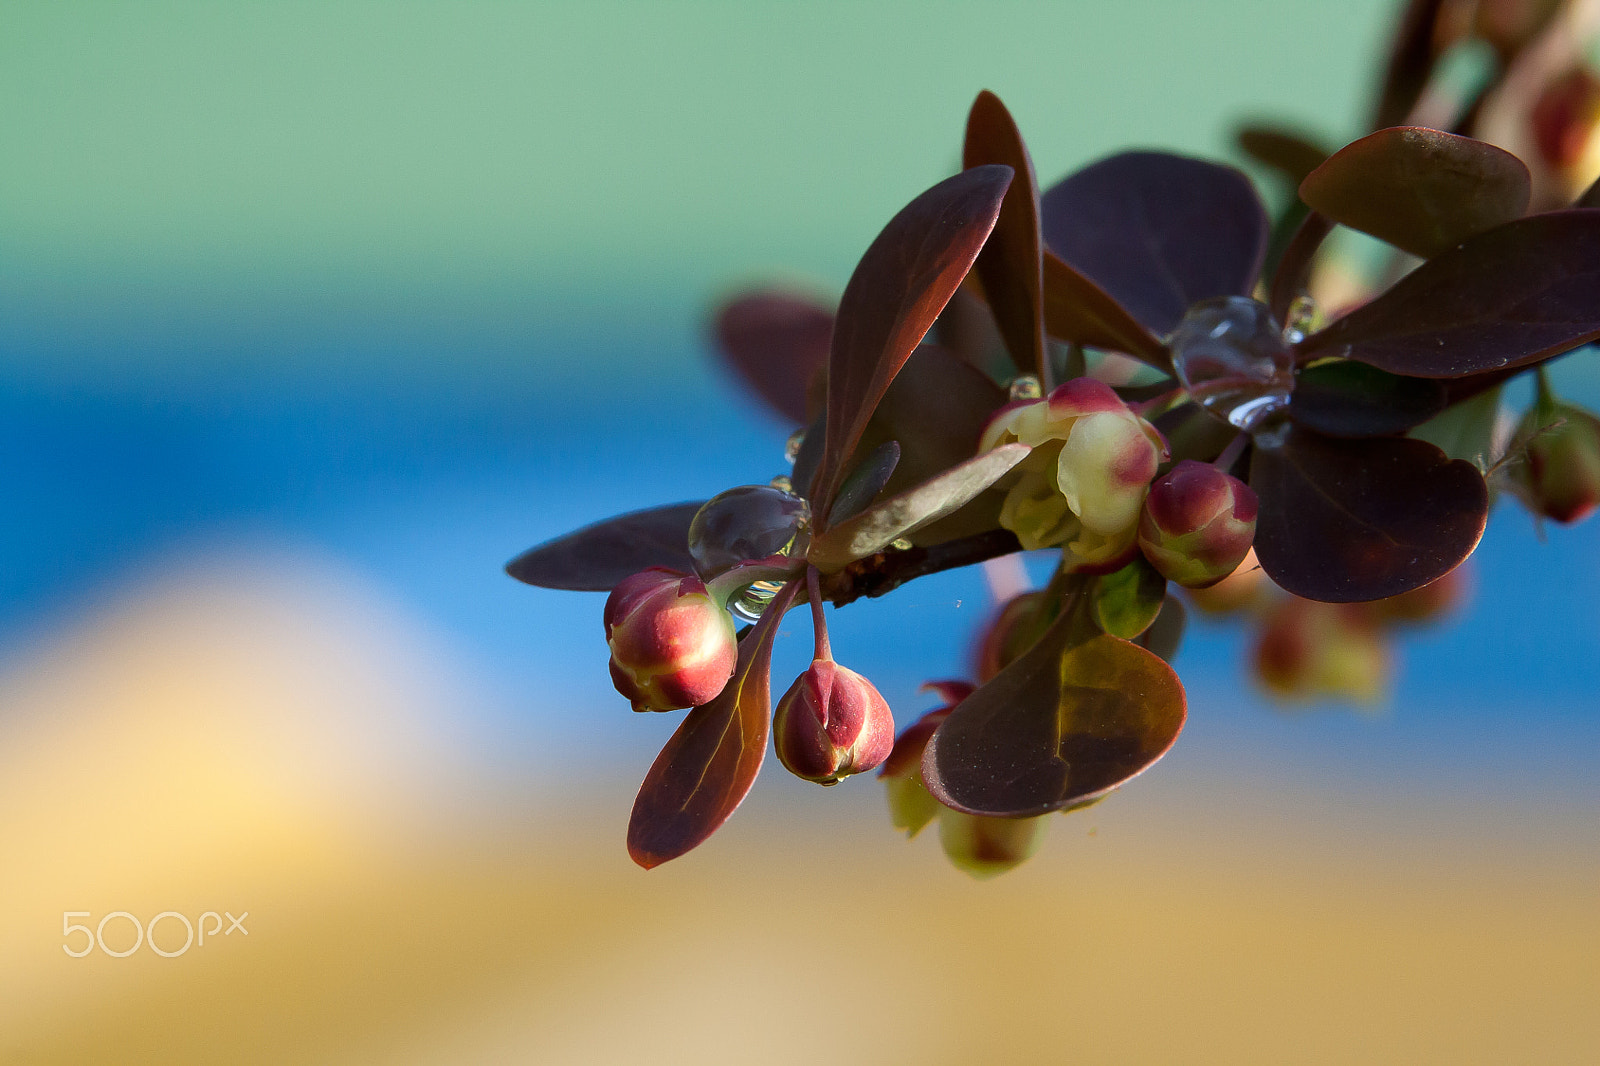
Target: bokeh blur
314, 314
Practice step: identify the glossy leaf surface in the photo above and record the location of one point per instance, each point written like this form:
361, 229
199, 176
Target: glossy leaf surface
777, 342
1346, 398
1078, 310
873, 529
1353, 520
1158, 232
707, 767
1066, 722
1421, 190
596, 557
1126, 602
896, 292
1009, 263
1512, 296
866, 480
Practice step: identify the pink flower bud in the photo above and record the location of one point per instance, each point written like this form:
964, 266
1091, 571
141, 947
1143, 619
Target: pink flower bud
832, 723
1091, 464
1197, 524
1312, 650
671, 645
1561, 477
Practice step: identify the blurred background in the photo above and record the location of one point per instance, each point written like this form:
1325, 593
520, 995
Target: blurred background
312, 315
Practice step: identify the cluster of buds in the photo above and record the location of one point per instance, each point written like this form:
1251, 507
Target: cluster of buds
1305, 650
1085, 481
673, 643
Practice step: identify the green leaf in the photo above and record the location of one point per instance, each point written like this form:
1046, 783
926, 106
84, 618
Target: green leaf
1421, 190
1465, 431
875, 528
1127, 602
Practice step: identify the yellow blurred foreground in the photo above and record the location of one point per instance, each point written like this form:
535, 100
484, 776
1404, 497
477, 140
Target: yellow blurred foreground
279, 741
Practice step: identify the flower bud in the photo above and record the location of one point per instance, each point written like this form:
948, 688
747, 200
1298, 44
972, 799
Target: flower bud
1086, 478
1561, 476
1197, 524
987, 847
832, 723
671, 645
1312, 650
1566, 129
1008, 634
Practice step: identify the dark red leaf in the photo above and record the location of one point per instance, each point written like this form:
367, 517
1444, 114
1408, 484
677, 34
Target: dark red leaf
777, 342
1158, 232
1352, 520
1008, 266
1590, 197
1288, 153
895, 294
1344, 398
1421, 190
596, 557
709, 764
936, 409
1078, 310
1518, 294
1069, 720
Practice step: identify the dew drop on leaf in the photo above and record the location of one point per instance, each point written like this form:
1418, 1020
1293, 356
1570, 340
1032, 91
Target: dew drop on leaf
1231, 356
1026, 387
748, 524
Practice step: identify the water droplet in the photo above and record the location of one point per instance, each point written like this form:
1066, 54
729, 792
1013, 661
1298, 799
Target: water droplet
791, 447
749, 604
1232, 357
748, 524
782, 483
901, 544
1026, 387
1298, 321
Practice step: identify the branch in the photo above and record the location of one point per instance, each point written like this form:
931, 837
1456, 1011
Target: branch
888, 570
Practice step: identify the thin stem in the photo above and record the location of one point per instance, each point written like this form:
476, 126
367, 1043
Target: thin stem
1231, 453
819, 625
